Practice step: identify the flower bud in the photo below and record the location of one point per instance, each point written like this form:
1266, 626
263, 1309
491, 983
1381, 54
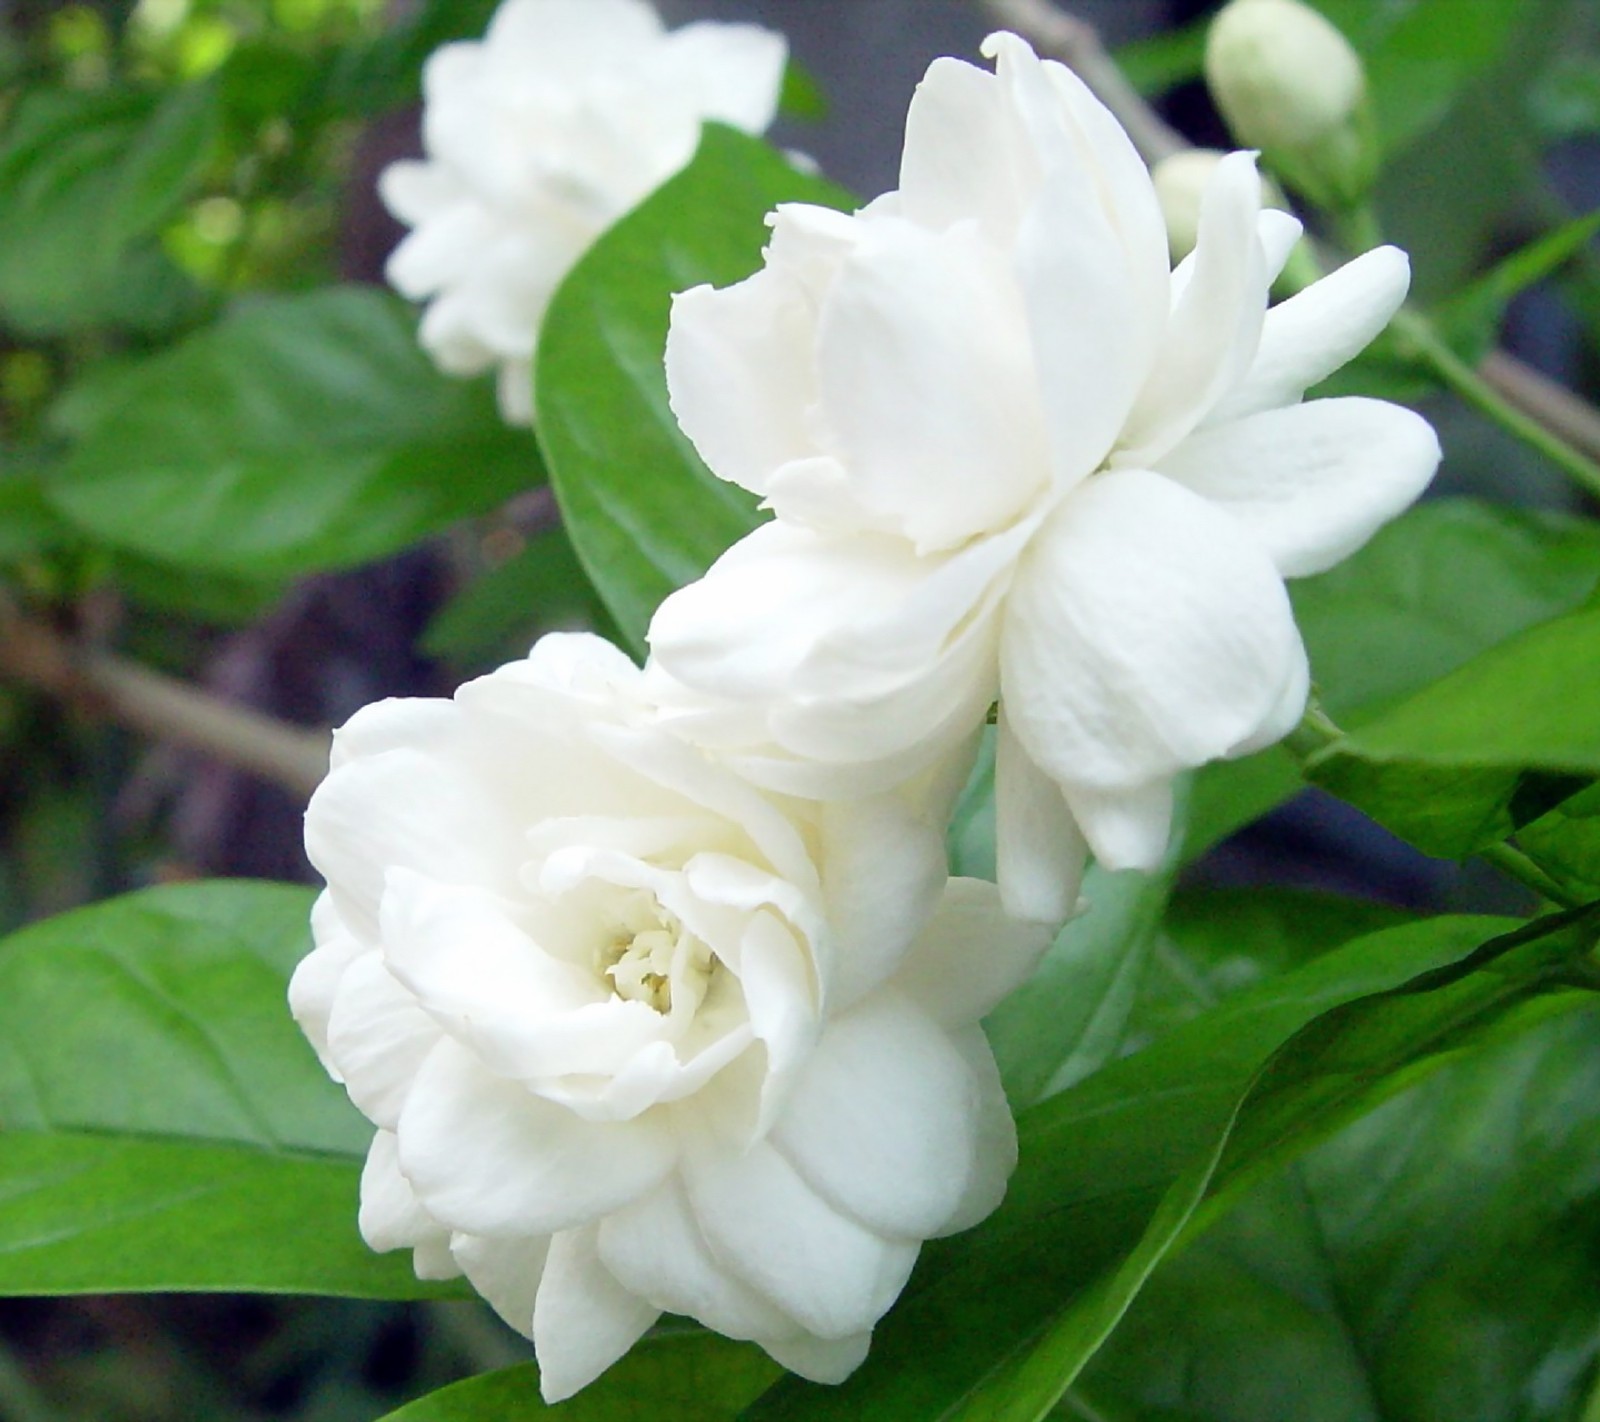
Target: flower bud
1289, 83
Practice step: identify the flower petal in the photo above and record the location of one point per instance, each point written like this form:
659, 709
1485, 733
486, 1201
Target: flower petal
994, 1153
391, 1216
881, 1120
1040, 853
655, 1250
957, 161
929, 397
1146, 633
1128, 827
1312, 482
314, 987
822, 1360
488, 1157
1313, 333
830, 1274
732, 72
1215, 326
506, 1272
971, 954
583, 1319
379, 1037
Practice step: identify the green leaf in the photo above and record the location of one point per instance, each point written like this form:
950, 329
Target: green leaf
83, 176
1490, 747
28, 525
1566, 842
1156, 63
1421, 54
1471, 318
690, 1377
643, 512
1437, 587
1099, 1158
1068, 1019
1434, 1260
302, 433
166, 1125
495, 617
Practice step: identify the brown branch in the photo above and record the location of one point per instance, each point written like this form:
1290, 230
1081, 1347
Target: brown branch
161, 707
1551, 404
1056, 34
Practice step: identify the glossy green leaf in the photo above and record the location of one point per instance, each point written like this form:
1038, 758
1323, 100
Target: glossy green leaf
1566, 842
166, 1125
1099, 1158
690, 1377
84, 175
1471, 319
302, 433
1433, 1260
1434, 589
1490, 747
1421, 54
1069, 1018
644, 513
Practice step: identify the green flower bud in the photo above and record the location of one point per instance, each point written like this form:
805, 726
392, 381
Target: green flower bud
1289, 83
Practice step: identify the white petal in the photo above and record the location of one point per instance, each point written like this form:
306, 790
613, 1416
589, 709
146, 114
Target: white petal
882, 1120
315, 983
514, 390
417, 192
583, 1319
822, 1360
956, 160
488, 1157
655, 1250
1215, 326
391, 1216
732, 73
1312, 482
1040, 853
549, 41
971, 954
830, 1274
929, 396
740, 375
995, 1145
1128, 827
379, 1037
1146, 633
506, 1272
883, 871
1313, 333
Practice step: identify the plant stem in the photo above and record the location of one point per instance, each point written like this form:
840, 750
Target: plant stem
1513, 863
161, 707
1457, 375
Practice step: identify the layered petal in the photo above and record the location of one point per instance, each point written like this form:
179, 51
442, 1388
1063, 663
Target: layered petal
1311, 482
1146, 633
583, 1319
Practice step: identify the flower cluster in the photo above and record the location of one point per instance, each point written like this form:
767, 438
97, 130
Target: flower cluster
539, 137
653, 981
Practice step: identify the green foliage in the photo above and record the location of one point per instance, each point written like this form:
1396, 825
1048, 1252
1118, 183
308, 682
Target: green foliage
1495, 744
300, 433
1113, 1168
84, 177
644, 514
1433, 1260
166, 1125
1436, 588
690, 1377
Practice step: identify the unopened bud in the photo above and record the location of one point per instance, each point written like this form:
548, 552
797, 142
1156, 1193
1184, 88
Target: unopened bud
1180, 183
1289, 83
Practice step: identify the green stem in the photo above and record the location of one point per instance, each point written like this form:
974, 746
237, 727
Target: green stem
1454, 373
1516, 865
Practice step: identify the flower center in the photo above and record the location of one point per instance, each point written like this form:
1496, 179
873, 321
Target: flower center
662, 965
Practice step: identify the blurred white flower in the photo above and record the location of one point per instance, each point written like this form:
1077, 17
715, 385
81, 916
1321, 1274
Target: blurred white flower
1011, 453
638, 1036
565, 115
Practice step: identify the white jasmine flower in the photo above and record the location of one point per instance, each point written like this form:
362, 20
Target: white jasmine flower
539, 137
638, 1036
1010, 453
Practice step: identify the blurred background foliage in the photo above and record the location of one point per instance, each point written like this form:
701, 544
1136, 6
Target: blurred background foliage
187, 217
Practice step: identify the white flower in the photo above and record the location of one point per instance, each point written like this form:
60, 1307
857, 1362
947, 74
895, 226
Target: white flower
638, 1036
539, 137
1010, 453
